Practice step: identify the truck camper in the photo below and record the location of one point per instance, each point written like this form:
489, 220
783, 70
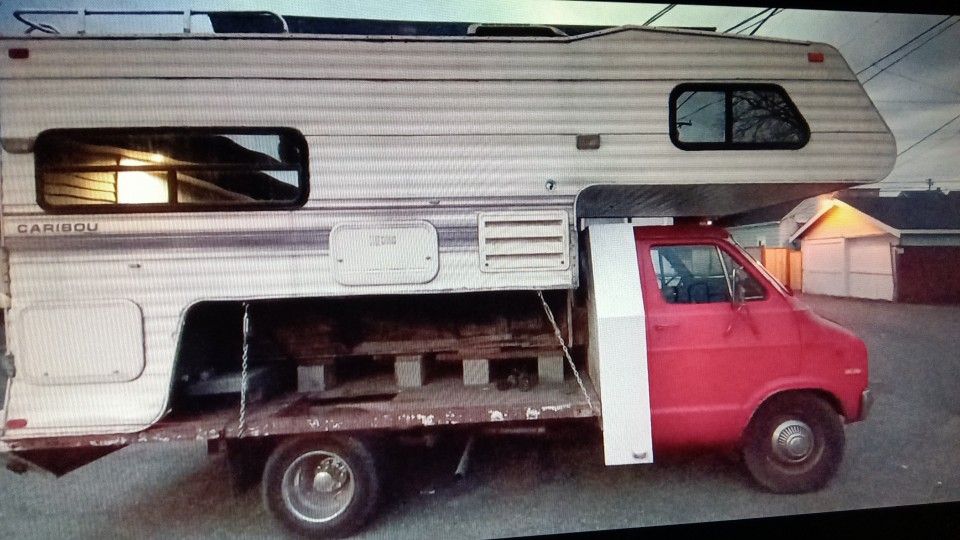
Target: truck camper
293, 244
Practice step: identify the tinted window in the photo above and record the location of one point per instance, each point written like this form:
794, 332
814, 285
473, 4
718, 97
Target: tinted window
170, 169
735, 116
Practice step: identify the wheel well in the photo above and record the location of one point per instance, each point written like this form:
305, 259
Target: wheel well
817, 392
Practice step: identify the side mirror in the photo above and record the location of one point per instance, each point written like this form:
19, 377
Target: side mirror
739, 289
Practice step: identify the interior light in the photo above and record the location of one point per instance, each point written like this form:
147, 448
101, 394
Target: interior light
141, 187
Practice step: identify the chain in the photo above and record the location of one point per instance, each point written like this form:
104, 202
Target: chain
566, 351
243, 368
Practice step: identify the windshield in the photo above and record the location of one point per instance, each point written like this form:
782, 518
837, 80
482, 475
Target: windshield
756, 264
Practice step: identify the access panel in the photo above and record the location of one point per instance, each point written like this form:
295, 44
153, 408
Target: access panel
618, 344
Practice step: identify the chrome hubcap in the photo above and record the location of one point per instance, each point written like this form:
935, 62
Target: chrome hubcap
318, 486
792, 441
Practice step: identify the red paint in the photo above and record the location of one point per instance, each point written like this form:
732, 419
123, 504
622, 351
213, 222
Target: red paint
815, 57
16, 423
706, 382
18, 54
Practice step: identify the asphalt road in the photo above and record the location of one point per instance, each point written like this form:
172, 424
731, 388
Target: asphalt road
905, 453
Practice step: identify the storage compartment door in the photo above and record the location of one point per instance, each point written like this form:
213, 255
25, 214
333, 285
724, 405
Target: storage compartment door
80, 342
618, 344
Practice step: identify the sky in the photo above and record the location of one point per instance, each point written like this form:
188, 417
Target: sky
916, 88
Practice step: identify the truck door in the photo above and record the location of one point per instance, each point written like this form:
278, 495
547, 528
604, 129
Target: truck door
707, 358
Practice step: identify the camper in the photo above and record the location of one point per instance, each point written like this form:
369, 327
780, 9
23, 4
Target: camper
301, 243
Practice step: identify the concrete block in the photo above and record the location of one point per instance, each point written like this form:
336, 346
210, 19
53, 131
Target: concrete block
409, 371
476, 372
550, 368
315, 378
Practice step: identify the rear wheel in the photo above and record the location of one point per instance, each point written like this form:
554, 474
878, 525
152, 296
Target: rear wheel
794, 444
321, 487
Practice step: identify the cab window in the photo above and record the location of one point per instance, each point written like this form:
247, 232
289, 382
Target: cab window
752, 288
699, 274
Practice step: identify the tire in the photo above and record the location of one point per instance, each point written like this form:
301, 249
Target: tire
794, 444
321, 487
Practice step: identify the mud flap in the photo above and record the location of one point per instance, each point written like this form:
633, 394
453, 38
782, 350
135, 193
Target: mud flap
618, 344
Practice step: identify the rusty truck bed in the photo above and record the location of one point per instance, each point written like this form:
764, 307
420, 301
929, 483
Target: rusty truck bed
437, 403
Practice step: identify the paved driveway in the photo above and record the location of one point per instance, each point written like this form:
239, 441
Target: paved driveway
906, 453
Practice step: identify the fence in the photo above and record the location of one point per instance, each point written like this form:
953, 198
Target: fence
785, 264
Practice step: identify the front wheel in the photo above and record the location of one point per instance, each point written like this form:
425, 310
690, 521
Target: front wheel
321, 487
794, 444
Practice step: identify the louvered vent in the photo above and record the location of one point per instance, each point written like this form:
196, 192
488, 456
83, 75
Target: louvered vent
511, 241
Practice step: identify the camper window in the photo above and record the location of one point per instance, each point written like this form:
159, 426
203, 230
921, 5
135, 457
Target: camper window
735, 117
170, 169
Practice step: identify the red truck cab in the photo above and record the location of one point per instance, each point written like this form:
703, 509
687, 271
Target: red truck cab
734, 359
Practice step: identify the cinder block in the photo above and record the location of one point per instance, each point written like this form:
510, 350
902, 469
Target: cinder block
409, 371
315, 378
476, 371
550, 369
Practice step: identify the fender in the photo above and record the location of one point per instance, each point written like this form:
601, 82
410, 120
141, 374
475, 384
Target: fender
795, 384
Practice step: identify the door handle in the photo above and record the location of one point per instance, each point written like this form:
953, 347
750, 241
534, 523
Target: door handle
664, 326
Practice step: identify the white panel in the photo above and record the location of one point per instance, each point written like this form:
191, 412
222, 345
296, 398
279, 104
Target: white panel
384, 254
512, 241
871, 286
870, 255
88, 342
824, 269
620, 345
870, 268
823, 256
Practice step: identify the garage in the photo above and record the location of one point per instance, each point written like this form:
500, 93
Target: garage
902, 248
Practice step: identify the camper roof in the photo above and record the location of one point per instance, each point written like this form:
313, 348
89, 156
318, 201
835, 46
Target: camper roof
261, 24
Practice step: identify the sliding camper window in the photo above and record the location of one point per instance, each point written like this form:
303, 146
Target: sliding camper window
170, 169
735, 117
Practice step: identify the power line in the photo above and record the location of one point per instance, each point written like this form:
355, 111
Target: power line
685, 100
764, 21
931, 38
748, 19
688, 115
659, 14
896, 73
914, 38
931, 134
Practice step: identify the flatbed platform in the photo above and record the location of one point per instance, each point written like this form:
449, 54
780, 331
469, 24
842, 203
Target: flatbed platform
440, 402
